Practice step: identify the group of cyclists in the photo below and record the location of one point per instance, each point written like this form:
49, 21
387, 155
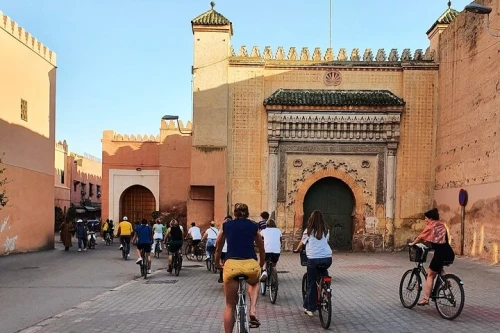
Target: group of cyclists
235, 251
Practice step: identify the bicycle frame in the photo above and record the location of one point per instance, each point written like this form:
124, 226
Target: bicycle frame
439, 279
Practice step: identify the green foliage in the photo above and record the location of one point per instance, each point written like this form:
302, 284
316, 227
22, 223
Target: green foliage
58, 218
71, 213
178, 212
155, 214
3, 181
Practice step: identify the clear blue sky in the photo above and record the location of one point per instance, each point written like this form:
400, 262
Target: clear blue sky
122, 64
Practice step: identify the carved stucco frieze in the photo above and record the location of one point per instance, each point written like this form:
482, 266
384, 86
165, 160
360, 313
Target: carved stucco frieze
352, 127
319, 148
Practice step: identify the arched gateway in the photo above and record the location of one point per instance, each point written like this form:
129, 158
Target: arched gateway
137, 202
335, 200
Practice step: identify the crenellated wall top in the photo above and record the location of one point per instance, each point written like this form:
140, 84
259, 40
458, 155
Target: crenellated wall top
136, 138
25, 37
171, 125
62, 145
317, 56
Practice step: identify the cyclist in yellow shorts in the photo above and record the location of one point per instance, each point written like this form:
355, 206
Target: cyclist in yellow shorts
241, 259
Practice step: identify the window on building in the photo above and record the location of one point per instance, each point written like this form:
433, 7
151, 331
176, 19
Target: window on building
24, 110
62, 176
91, 189
75, 184
83, 188
98, 190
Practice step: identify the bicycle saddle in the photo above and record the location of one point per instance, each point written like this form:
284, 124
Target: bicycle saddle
241, 277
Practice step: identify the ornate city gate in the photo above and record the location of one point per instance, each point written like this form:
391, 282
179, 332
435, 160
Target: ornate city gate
335, 200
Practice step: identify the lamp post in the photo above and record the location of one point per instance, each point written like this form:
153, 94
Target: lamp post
176, 118
476, 8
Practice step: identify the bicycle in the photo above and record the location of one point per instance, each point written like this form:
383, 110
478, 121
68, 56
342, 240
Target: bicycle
447, 293
107, 238
198, 250
241, 314
271, 282
176, 263
323, 292
144, 265
157, 248
211, 263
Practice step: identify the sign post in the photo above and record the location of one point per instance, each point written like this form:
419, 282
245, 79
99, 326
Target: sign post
462, 200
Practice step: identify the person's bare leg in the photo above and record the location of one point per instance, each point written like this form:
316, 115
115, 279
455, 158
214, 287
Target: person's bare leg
253, 293
138, 254
230, 290
428, 284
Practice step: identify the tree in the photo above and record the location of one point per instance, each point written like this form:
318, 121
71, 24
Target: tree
3, 181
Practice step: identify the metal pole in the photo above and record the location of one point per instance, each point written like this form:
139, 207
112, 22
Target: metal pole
462, 231
330, 23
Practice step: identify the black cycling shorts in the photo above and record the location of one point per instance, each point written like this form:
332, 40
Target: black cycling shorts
273, 256
196, 242
145, 246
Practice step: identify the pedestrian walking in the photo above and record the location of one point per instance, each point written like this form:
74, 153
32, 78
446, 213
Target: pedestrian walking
66, 230
81, 234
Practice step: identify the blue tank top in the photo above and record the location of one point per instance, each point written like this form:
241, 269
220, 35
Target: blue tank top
240, 234
143, 234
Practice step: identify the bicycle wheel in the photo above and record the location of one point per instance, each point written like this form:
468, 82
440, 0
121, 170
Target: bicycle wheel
209, 265
304, 286
241, 321
187, 251
212, 259
157, 250
450, 297
177, 266
410, 288
325, 305
199, 253
273, 286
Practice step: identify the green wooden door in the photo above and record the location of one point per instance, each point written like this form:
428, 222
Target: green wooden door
335, 200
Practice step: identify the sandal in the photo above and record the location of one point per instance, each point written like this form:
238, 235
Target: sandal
423, 302
254, 322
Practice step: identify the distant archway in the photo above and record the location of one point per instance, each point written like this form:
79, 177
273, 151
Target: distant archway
137, 202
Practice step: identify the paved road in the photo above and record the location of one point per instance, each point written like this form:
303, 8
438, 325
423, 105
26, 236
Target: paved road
365, 292
36, 286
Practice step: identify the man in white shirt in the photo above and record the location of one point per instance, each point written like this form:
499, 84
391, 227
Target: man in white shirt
210, 235
195, 234
272, 245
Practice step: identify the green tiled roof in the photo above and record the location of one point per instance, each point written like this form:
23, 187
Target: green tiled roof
300, 97
446, 18
211, 17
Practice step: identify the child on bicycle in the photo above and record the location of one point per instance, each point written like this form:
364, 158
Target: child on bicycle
272, 245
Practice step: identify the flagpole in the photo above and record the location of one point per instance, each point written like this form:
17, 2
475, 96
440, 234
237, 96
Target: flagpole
330, 23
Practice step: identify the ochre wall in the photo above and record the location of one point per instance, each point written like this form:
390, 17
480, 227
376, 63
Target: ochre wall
468, 132
28, 74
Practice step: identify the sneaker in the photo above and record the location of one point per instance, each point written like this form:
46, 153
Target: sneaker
128, 255
85, 250
149, 271
139, 261
263, 277
120, 248
220, 280
208, 259
79, 250
309, 313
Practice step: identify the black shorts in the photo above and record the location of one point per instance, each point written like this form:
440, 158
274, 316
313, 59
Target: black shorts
273, 256
196, 242
223, 256
145, 246
174, 246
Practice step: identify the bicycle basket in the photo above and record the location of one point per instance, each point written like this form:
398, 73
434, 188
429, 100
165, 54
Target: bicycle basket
303, 257
417, 254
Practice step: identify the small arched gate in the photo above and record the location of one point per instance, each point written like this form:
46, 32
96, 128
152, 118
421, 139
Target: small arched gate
335, 200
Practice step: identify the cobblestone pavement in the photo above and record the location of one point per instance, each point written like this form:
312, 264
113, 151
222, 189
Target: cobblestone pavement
365, 299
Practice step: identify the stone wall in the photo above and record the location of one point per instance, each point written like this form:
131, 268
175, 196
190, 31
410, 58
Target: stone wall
468, 128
